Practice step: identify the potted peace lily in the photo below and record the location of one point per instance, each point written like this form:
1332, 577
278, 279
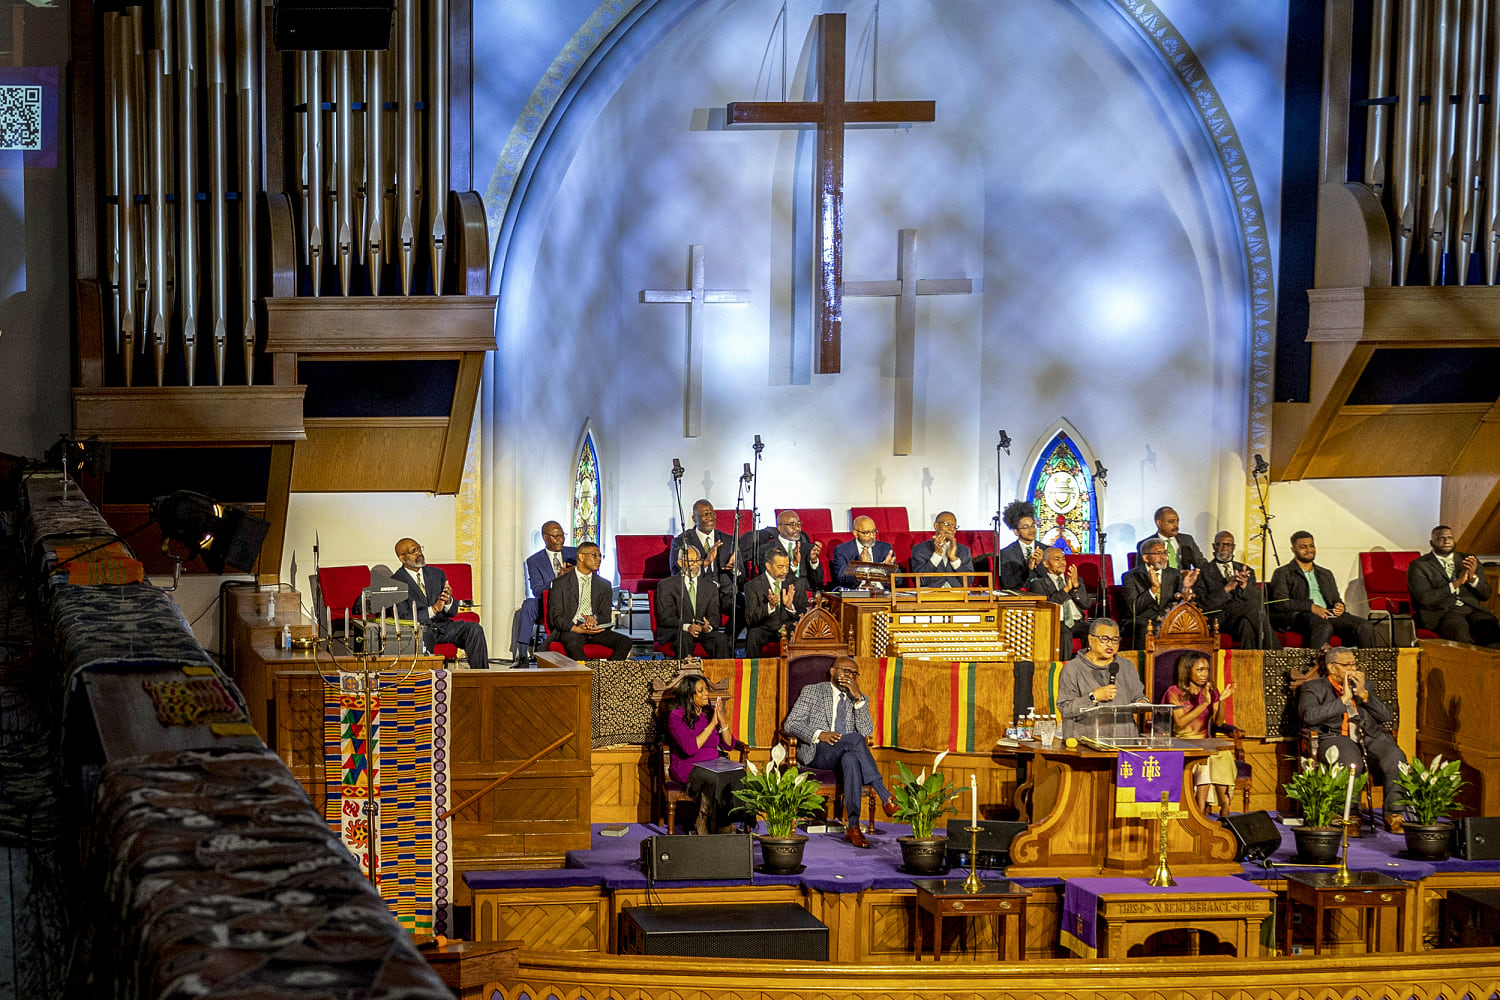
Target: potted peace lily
922, 800
1431, 793
1322, 790
782, 796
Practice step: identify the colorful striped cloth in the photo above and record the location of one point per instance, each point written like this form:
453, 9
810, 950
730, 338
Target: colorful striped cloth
753, 688
112, 564
916, 704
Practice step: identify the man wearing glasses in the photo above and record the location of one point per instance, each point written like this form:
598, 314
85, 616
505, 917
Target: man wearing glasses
802, 553
831, 721
1098, 675
942, 553
865, 546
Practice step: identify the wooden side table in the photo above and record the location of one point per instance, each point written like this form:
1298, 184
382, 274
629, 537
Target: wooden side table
1000, 898
1370, 891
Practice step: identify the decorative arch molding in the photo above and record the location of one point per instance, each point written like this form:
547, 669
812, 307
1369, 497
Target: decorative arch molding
1059, 482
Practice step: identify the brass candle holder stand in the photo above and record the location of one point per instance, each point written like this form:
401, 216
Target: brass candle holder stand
972, 884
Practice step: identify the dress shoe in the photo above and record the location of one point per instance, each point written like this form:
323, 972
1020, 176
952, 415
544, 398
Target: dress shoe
1394, 824
856, 836
890, 805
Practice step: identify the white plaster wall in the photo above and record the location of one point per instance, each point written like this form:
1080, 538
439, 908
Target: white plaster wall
362, 529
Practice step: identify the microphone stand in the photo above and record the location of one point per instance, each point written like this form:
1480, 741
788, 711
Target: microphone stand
739, 558
1101, 477
677, 471
1265, 519
999, 508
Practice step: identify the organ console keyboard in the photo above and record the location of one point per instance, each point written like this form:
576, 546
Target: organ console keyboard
948, 624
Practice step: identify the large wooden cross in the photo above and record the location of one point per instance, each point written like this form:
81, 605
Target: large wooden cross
906, 288
830, 115
696, 296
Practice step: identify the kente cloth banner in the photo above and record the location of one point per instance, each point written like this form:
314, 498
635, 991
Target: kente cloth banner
397, 742
752, 687
1142, 776
1080, 913
937, 704
112, 564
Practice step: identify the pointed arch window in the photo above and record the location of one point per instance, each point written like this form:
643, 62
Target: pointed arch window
1062, 490
587, 494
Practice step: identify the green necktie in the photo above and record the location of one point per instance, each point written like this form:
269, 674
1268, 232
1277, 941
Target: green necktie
692, 593
1171, 555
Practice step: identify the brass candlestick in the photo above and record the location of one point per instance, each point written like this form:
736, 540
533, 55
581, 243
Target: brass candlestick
1163, 875
972, 884
1342, 876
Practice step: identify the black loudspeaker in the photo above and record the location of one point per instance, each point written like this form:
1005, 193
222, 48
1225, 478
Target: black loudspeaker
1477, 838
993, 844
1255, 833
782, 931
717, 857
333, 24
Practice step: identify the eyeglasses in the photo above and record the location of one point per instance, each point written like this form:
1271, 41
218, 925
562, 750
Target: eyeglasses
1108, 640
791, 524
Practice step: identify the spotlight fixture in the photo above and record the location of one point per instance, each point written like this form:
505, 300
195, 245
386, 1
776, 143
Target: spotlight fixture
225, 536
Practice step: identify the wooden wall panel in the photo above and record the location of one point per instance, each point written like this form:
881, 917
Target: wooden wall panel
567, 920
370, 454
1376, 440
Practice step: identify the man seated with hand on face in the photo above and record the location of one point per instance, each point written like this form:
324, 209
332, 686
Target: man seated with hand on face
578, 606
430, 594
831, 721
1351, 722
942, 553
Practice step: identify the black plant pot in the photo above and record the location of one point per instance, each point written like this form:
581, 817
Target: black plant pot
1317, 845
923, 855
782, 854
1428, 841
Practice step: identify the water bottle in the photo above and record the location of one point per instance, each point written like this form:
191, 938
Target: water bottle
271, 608
286, 637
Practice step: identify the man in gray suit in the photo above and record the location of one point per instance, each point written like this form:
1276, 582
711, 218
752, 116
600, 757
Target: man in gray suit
831, 721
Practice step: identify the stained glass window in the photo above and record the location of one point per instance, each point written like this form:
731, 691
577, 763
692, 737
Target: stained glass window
1062, 490
586, 493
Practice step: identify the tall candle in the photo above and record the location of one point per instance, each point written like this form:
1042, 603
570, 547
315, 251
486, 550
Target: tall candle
973, 800
1348, 793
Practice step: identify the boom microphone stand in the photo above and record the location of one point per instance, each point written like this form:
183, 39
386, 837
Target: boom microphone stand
999, 507
677, 471
739, 557
1262, 468
1101, 478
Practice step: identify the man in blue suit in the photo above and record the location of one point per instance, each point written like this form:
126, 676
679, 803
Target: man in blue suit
542, 567
865, 546
942, 553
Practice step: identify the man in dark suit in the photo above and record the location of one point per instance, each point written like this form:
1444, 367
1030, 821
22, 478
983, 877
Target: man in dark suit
1448, 590
1152, 588
716, 552
1182, 552
1023, 557
578, 606
802, 553
942, 553
687, 609
1351, 724
1227, 588
1305, 599
430, 604
1058, 583
542, 567
832, 724
865, 546
772, 600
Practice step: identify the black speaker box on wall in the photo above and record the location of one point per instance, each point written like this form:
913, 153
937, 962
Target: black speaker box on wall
715, 857
333, 24
782, 931
1477, 838
1255, 833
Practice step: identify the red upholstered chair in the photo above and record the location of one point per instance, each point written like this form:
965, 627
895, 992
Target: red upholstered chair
888, 520
981, 542
724, 521
461, 581
1384, 575
816, 521
340, 587
901, 543
642, 561
591, 650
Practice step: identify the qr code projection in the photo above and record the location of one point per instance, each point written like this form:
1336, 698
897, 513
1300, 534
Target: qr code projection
20, 117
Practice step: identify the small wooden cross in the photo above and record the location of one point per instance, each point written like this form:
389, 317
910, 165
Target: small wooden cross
906, 289
830, 116
696, 296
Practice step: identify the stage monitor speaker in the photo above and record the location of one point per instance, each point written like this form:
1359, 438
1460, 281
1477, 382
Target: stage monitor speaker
333, 24
1477, 838
782, 931
718, 857
1255, 833
993, 843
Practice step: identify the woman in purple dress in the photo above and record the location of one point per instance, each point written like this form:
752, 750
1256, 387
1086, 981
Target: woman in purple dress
696, 733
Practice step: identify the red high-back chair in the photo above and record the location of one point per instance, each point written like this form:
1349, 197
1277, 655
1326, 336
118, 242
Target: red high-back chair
461, 582
888, 520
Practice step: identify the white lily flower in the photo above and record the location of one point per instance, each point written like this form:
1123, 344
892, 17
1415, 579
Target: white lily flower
922, 778
938, 760
778, 754
750, 766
